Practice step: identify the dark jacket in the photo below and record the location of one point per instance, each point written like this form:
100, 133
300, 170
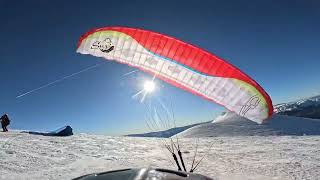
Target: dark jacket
5, 121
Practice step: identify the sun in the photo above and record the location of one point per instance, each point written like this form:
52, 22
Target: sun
149, 86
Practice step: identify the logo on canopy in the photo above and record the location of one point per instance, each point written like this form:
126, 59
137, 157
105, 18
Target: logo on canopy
105, 46
252, 103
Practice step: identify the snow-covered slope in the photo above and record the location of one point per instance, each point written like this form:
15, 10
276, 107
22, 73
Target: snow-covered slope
231, 124
26, 156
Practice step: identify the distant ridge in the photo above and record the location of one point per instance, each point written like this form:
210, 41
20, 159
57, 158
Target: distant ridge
308, 107
165, 133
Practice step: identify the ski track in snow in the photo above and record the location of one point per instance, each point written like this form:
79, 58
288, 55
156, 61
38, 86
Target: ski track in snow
25, 156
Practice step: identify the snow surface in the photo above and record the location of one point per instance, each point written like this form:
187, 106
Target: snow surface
26, 156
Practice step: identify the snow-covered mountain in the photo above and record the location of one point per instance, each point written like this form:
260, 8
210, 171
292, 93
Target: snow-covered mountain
309, 107
231, 124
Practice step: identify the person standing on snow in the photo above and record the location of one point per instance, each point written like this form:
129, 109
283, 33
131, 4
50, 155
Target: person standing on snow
5, 121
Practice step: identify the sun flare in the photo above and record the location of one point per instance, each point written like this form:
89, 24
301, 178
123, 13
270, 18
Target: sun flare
149, 86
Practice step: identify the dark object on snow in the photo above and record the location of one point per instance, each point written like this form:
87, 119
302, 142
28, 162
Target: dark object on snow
64, 131
143, 174
5, 121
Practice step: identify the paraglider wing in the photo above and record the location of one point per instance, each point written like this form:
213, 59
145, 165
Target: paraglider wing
183, 65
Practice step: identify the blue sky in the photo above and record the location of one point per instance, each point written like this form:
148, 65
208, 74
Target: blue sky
275, 42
